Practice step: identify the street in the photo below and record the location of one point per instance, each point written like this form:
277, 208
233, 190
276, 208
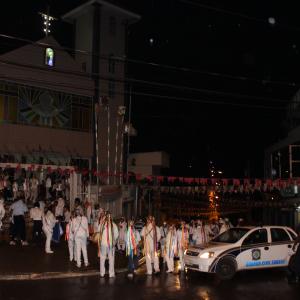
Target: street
264, 285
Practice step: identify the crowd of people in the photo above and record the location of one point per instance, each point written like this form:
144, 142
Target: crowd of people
87, 223
52, 219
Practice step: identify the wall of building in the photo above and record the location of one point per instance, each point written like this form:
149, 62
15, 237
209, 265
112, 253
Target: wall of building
148, 163
26, 139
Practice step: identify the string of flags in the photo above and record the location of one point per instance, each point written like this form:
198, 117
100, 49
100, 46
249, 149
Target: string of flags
198, 184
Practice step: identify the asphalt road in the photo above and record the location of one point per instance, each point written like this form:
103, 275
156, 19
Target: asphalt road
254, 285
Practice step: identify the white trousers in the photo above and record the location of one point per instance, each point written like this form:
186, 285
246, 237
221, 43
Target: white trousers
152, 257
105, 252
48, 235
72, 249
81, 247
170, 263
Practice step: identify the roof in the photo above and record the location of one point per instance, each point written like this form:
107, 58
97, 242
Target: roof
81, 8
25, 65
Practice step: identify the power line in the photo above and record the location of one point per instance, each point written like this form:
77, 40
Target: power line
153, 64
158, 96
237, 14
157, 84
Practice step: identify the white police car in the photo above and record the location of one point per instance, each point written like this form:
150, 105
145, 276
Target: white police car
242, 248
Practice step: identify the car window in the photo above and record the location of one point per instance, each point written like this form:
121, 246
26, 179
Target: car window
292, 234
259, 236
231, 236
279, 235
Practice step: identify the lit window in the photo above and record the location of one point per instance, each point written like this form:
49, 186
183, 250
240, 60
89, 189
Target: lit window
112, 25
49, 57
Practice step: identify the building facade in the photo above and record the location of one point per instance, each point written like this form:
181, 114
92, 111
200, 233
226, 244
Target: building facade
61, 106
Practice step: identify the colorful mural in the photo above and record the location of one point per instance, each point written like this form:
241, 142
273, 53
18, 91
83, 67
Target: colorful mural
44, 108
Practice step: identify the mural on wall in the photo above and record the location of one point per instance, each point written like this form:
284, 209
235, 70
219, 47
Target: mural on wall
44, 108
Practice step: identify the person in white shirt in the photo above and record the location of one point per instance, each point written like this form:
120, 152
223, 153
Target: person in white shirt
49, 222
171, 248
208, 231
59, 209
2, 212
80, 231
34, 184
15, 189
224, 225
36, 214
26, 189
70, 239
215, 228
191, 232
163, 232
48, 187
122, 231
151, 236
19, 209
132, 239
108, 231
199, 234
183, 242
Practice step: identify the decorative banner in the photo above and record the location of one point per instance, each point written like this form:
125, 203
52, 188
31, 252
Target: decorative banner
184, 185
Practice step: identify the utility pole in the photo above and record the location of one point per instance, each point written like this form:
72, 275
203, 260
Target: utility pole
128, 134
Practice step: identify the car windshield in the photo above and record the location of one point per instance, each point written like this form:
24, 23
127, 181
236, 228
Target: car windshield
231, 236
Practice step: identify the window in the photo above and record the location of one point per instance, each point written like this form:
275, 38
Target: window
279, 235
112, 26
292, 234
259, 236
111, 88
111, 64
49, 57
231, 236
81, 117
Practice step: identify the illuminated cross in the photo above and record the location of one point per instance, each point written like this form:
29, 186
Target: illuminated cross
47, 19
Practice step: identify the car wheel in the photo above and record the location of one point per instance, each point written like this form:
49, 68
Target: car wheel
226, 268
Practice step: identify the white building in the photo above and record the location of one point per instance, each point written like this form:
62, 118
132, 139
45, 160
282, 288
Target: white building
148, 163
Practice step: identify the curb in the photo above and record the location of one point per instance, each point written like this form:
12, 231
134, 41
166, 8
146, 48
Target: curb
53, 275
58, 275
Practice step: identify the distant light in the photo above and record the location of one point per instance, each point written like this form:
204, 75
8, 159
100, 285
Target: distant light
151, 41
294, 46
272, 21
220, 172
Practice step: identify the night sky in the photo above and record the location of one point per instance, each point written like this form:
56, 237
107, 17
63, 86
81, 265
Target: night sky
232, 75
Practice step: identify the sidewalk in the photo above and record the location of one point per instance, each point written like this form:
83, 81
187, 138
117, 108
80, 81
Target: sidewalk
31, 262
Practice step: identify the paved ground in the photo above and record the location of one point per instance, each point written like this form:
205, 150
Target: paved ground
253, 285
18, 260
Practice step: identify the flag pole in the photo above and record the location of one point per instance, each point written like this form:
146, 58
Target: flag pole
128, 133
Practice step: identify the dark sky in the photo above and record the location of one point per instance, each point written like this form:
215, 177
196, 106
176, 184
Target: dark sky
239, 66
